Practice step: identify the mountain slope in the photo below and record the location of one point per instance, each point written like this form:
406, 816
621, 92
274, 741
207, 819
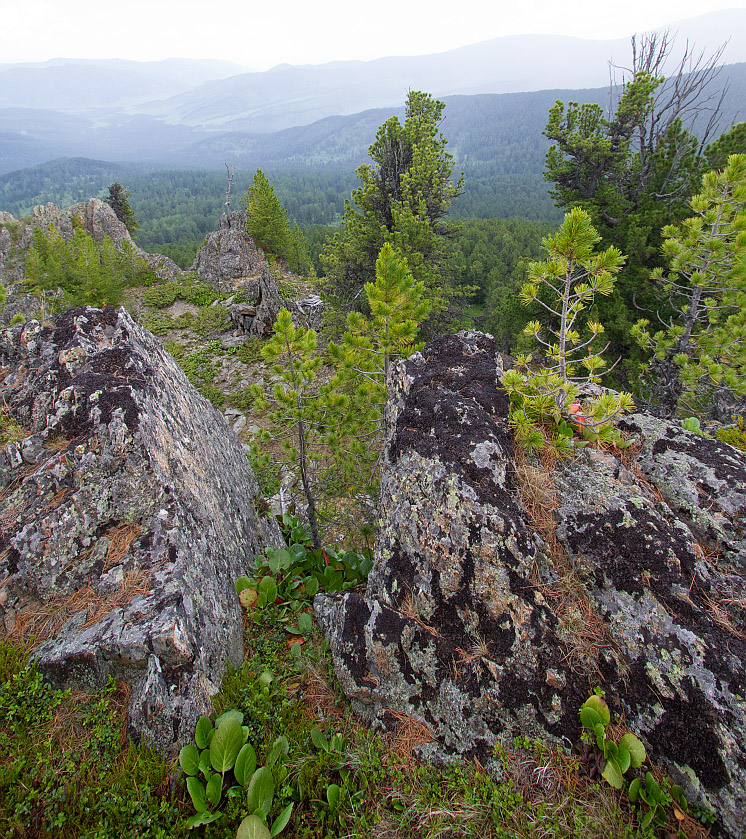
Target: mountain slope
297, 95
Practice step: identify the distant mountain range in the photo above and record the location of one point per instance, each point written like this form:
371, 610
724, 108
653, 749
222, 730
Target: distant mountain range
198, 114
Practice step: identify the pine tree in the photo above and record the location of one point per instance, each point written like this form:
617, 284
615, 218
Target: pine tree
544, 410
703, 347
118, 200
404, 196
295, 408
397, 307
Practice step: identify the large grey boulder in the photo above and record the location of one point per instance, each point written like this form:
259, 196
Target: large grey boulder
469, 624
228, 253
127, 517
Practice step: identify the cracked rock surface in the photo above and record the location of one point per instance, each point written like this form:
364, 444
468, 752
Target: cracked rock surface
466, 626
127, 515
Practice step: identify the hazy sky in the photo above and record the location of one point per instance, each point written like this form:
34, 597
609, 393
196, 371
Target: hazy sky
264, 33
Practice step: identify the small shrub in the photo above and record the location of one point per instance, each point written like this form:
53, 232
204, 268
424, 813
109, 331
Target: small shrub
160, 296
211, 319
243, 398
18, 319
159, 324
251, 351
213, 394
733, 434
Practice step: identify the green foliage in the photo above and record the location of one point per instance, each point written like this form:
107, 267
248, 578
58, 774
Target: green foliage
734, 434
402, 201
10, 429
618, 758
266, 220
250, 352
88, 274
732, 142
161, 295
633, 172
58, 784
224, 761
18, 319
706, 256
118, 200
544, 410
286, 580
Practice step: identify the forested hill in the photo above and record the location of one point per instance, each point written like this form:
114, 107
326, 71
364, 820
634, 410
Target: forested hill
488, 134
496, 139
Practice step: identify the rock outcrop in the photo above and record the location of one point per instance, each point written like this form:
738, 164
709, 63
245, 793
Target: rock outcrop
97, 219
228, 254
472, 625
127, 517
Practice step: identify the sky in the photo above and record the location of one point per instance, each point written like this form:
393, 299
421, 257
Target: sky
263, 34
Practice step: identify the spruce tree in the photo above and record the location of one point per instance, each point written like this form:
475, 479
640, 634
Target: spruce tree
118, 200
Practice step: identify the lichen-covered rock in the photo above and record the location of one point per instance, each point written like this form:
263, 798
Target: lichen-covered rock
681, 640
228, 253
127, 517
467, 625
451, 629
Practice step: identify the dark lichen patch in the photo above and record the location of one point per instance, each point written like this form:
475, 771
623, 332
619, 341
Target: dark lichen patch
356, 615
686, 734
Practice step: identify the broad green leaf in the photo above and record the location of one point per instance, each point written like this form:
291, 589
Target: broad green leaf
635, 748
245, 764
202, 732
281, 746
623, 756
332, 796
261, 790
319, 740
646, 819
253, 827
242, 583
305, 623
226, 744
197, 794
281, 821
312, 586
600, 707
204, 761
229, 715
214, 789
265, 678
633, 793
189, 760
600, 732
198, 819
612, 773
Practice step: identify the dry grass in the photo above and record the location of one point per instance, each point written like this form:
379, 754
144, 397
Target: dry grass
582, 625
120, 540
408, 733
36, 622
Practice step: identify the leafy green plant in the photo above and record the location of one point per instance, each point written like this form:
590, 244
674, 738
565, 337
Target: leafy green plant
693, 424
658, 799
286, 579
615, 758
227, 762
